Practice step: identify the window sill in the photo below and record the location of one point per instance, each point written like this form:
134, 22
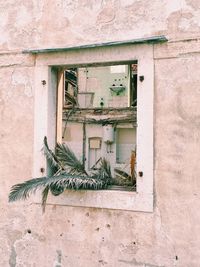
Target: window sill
104, 199
122, 188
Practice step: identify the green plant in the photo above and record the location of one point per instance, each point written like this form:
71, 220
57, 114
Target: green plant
65, 172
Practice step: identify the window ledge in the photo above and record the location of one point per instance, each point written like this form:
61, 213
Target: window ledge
106, 199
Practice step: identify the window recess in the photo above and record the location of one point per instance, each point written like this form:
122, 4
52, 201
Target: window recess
99, 118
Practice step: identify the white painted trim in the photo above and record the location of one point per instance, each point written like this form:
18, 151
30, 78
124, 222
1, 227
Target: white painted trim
104, 199
40, 117
142, 200
145, 97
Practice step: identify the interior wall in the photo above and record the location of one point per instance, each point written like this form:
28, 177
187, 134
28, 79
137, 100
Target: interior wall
76, 236
98, 80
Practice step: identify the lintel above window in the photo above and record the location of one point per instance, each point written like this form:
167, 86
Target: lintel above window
147, 40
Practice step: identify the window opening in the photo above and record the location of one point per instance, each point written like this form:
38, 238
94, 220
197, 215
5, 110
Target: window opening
99, 118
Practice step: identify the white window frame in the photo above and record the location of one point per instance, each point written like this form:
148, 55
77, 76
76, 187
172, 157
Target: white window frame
45, 122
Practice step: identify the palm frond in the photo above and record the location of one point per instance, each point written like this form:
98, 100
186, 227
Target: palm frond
56, 190
69, 173
123, 178
45, 193
78, 182
51, 157
66, 181
124, 175
23, 190
68, 159
104, 172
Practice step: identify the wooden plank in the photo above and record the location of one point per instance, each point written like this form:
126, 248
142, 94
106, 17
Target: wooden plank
103, 121
59, 106
84, 143
101, 116
101, 110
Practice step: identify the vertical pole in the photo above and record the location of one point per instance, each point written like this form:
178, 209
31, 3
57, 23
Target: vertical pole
84, 143
60, 94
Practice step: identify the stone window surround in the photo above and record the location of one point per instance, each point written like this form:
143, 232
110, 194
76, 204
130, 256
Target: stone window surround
45, 122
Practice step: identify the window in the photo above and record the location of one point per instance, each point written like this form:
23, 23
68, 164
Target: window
80, 70
99, 110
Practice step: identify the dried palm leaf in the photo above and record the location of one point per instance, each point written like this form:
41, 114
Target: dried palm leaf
104, 171
45, 193
68, 159
70, 174
23, 190
124, 175
51, 157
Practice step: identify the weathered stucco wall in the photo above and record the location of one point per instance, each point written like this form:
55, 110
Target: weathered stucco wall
79, 237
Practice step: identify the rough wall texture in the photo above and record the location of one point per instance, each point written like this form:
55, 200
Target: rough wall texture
80, 237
